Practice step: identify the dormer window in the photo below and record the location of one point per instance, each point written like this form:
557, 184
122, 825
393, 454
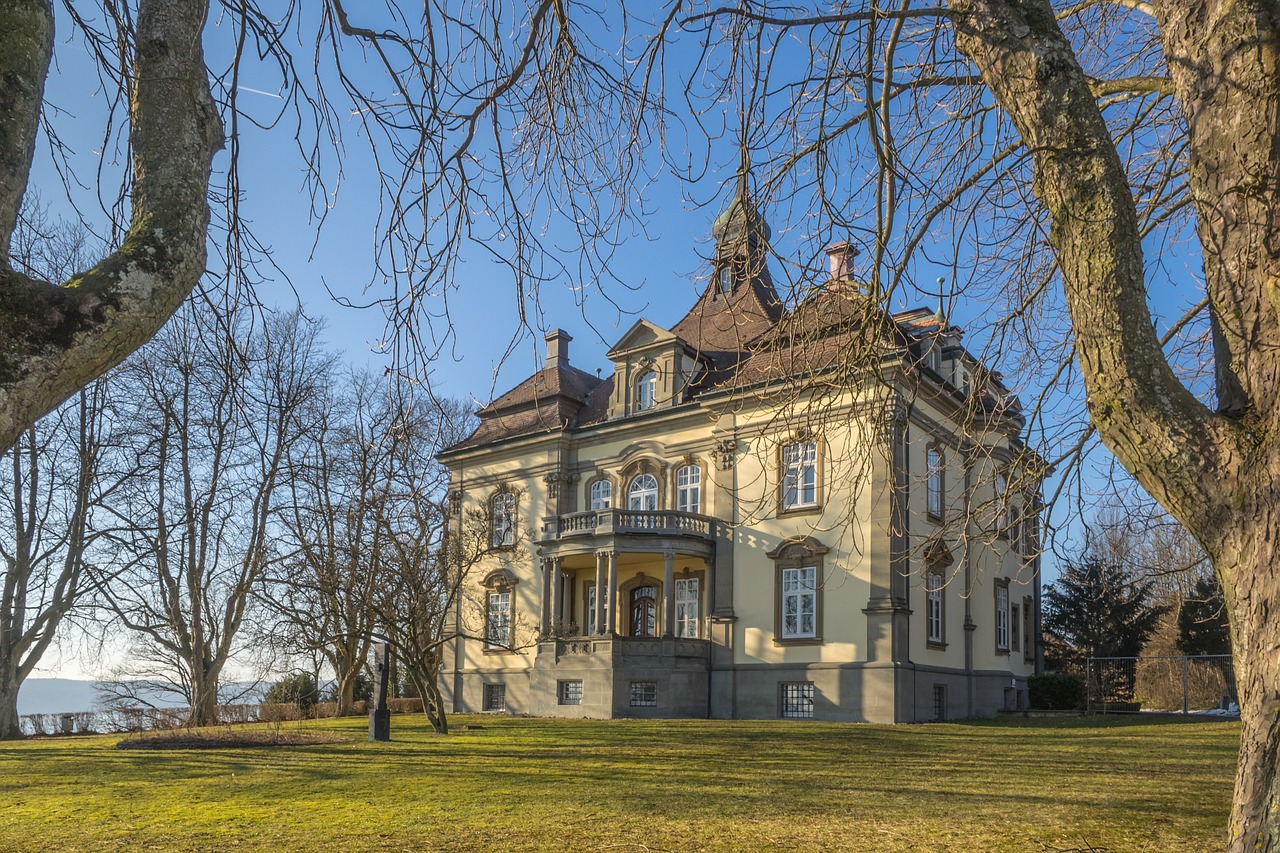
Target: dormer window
646, 391
725, 278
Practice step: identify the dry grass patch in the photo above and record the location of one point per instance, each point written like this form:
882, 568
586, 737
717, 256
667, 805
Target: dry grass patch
229, 737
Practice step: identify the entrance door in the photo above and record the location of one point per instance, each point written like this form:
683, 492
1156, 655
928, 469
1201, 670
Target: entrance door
644, 611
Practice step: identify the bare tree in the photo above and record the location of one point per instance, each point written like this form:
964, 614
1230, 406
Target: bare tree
50, 488
343, 479
424, 553
212, 426
50, 484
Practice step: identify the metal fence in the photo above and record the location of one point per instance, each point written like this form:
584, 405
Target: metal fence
1169, 683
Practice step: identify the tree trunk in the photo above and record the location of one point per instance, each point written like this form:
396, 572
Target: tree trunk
1215, 474
10, 724
204, 700
1245, 560
345, 694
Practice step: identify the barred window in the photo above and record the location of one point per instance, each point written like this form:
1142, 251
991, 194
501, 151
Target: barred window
797, 700
495, 697
569, 692
940, 702
644, 694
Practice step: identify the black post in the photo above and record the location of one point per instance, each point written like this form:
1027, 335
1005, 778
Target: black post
380, 716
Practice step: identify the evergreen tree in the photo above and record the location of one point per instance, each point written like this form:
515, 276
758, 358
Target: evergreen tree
1202, 621
1098, 610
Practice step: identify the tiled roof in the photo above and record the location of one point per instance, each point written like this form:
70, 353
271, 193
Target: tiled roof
548, 400
744, 338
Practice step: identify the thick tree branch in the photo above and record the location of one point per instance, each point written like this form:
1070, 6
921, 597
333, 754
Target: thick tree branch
1153, 424
26, 48
54, 340
1224, 60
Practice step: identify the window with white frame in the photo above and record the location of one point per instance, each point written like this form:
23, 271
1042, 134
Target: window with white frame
1002, 615
502, 520
642, 494
689, 489
646, 390
800, 475
796, 700
601, 494
799, 602
498, 621
687, 607
569, 692
934, 590
934, 490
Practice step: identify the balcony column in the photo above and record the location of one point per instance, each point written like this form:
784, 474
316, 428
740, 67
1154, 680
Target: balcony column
544, 627
668, 594
557, 595
598, 616
611, 614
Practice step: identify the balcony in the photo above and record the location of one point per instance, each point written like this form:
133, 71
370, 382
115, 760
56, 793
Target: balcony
629, 522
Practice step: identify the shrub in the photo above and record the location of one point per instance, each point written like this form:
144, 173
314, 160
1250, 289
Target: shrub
299, 689
1056, 691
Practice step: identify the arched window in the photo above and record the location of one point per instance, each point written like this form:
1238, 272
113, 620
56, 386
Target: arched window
725, 278
502, 520
934, 465
646, 391
689, 489
601, 494
643, 493
644, 611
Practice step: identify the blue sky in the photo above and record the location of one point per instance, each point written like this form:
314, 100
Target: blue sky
660, 263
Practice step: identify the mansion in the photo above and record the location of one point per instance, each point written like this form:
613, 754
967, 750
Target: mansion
817, 510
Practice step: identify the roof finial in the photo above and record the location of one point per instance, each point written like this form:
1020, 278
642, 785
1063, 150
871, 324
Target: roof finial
741, 221
939, 316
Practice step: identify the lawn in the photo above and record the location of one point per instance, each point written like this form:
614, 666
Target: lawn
1098, 784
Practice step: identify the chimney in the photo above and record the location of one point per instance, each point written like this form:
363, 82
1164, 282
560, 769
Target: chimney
840, 257
558, 348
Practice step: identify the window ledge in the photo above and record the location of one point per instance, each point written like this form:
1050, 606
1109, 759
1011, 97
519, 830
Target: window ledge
805, 509
499, 650
936, 645
797, 641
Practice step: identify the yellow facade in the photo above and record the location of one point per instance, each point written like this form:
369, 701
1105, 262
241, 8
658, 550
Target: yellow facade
773, 543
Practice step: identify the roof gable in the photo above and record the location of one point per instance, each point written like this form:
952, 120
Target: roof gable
641, 335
